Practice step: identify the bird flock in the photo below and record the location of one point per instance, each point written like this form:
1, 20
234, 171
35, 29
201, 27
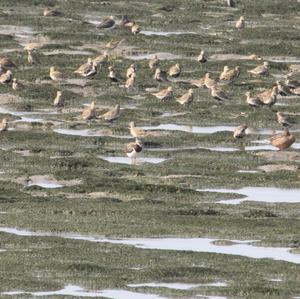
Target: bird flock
228, 76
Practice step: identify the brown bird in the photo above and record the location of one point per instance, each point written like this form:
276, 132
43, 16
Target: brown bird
292, 83
294, 91
160, 76
4, 125
131, 70
136, 131
165, 94
6, 77
260, 70
202, 58
33, 46
198, 82
125, 20
114, 44
283, 90
2, 70
269, 97
218, 94
90, 112
230, 75
129, 84
32, 58
56, 75
111, 114
7, 63
283, 140
175, 70
253, 101
240, 131
209, 82
106, 23
284, 120
240, 24
187, 98
135, 29
58, 101
154, 62
100, 60
16, 85
87, 69
114, 76
133, 149
50, 12
225, 70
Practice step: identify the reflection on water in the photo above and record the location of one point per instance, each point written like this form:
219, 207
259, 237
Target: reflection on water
137, 161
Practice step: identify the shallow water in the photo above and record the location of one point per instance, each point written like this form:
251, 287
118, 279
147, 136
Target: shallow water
166, 33
237, 247
138, 161
261, 194
44, 182
178, 286
160, 56
83, 132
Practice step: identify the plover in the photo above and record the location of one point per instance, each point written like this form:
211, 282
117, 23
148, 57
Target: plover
175, 70
284, 120
218, 94
253, 101
187, 98
87, 69
114, 76
209, 82
240, 24
4, 125
58, 101
165, 94
106, 23
111, 114
56, 75
240, 131
269, 97
230, 75
136, 131
6, 77
260, 70
32, 58
50, 12
154, 62
202, 58
131, 70
133, 149
90, 112
160, 76
283, 140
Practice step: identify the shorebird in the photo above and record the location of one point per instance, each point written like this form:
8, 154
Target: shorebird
294, 68
33, 46
129, 84
106, 23
187, 98
6, 77
124, 21
260, 70
283, 90
90, 112
87, 69
202, 58
7, 63
254, 57
4, 125
284, 120
165, 94
50, 12
294, 91
240, 131
133, 149
208, 82
253, 101
230, 3
225, 70
154, 62
240, 24
58, 101
218, 94
175, 70
136, 131
32, 58
2, 70
100, 60
135, 29
230, 75
131, 70
114, 44
200, 83
292, 83
16, 85
114, 76
56, 75
283, 140
111, 114
269, 97
160, 76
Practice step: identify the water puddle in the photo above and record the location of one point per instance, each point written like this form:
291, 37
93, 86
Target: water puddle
166, 33
23, 34
83, 132
44, 182
76, 291
160, 56
129, 161
248, 171
261, 194
233, 247
178, 286
190, 129
67, 52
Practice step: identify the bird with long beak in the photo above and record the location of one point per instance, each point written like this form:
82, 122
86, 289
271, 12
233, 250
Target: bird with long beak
187, 98
165, 94
283, 140
240, 131
112, 114
90, 112
4, 125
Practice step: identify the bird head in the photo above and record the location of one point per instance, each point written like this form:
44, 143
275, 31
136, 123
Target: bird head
170, 89
266, 63
131, 124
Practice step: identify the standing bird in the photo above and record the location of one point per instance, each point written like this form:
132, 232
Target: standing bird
165, 94
154, 62
253, 101
135, 29
175, 70
58, 101
260, 70
218, 94
269, 97
6, 77
202, 58
198, 82
7, 63
225, 70
284, 120
133, 149
114, 44
32, 58
283, 140
240, 131
16, 85
111, 114
240, 24
50, 12
136, 131
131, 70
4, 125
87, 69
90, 112
160, 76
292, 83
129, 84
209, 82
100, 60
230, 75
106, 23
114, 76
56, 75
230, 3
283, 90
187, 98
